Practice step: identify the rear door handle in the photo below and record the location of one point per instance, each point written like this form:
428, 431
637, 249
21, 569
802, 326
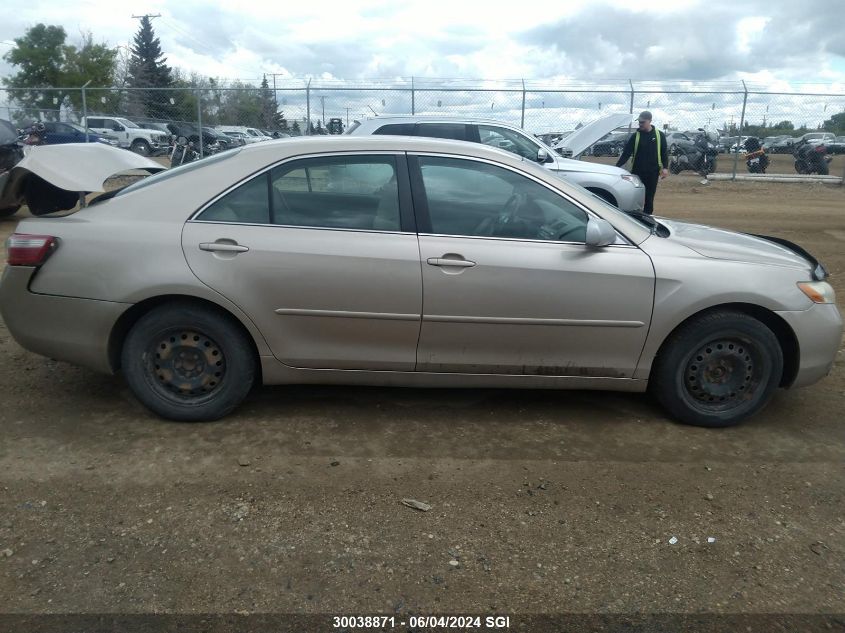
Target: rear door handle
223, 247
445, 261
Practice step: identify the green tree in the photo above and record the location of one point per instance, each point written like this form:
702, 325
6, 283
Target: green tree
148, 69
45, 60
836, 124
241, 104
271, 118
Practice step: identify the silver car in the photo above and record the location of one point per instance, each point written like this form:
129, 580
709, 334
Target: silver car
616, 185
409, 261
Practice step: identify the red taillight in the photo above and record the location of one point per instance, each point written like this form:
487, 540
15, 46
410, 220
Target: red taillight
29, 250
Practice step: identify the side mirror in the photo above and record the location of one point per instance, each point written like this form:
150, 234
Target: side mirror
117, 127
542, 155
600, 233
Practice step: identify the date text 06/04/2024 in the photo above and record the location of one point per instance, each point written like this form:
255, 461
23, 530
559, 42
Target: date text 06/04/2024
421, 622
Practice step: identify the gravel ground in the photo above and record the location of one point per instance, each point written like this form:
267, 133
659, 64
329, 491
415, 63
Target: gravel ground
542, 502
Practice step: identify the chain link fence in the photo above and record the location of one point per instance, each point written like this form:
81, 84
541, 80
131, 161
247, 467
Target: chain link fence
549, 110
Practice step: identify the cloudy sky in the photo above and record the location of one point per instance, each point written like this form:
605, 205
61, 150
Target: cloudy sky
767, 41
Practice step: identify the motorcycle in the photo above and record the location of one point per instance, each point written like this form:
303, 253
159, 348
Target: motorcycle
700, 158
811, 159
183, 152
755, 156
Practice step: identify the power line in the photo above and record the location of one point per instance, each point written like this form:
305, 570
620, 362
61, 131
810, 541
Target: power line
185, 33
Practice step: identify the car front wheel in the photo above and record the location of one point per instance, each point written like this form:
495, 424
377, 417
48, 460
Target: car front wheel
717, 369
140, 146
190, 363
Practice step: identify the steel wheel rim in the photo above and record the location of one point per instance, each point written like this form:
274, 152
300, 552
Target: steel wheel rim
186, 364
723, 374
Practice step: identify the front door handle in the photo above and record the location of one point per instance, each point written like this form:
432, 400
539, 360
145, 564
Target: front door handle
223, 247
447, 261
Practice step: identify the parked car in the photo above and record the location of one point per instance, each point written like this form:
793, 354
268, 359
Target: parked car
675, 140
617, 186
238, 138
770, 141
59, 133
837, 146
611, 145
410, 261
220, 141
816, 138
783, 146
248, 134
161, 126
129, 135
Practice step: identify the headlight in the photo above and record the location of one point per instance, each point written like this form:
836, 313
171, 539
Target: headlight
818, 291
634, 180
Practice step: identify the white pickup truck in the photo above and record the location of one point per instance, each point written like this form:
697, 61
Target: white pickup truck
129, 135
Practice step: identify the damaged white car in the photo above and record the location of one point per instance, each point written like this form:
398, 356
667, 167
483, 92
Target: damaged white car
52, 178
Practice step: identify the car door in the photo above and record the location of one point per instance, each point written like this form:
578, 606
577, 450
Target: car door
98, 126
509, 286
322, 254
59, 133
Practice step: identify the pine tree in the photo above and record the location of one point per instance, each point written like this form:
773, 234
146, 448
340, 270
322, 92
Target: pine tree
271, 118
147, 69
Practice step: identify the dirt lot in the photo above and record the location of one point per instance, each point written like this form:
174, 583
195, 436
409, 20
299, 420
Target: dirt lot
543, 502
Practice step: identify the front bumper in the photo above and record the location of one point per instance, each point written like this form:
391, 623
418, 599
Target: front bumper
64, 328
819, 334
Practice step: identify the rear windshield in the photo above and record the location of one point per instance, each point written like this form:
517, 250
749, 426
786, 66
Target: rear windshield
176, 171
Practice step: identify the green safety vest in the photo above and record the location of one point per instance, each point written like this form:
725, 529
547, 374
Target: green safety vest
637, 145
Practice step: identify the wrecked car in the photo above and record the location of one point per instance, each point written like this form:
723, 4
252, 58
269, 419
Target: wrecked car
50, 178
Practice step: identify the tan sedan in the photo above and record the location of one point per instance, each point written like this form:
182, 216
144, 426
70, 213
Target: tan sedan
416, 262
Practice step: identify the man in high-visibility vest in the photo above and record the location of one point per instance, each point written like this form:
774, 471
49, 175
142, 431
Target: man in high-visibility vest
650, 157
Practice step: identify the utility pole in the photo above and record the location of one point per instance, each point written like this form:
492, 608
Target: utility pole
323, 104
148, 15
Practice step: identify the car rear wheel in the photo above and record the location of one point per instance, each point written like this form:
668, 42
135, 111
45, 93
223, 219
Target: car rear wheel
185, 362
140, 146
718, 369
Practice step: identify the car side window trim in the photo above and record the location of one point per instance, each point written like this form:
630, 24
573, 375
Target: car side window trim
423, 217
407, 219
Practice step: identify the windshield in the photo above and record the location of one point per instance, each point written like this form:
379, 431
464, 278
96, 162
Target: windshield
79, 128
176, 171
126, 123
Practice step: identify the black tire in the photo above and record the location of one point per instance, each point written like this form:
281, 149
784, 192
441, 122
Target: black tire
823, 170
717, 369
674, 167
186, 362
140, 146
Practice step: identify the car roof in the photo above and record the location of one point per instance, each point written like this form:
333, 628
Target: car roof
431, 118
194, 187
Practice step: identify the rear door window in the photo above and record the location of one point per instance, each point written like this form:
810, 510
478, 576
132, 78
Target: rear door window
454, 131
341, 192
399, 129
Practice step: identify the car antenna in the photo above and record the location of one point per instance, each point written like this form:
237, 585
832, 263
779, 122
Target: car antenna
371, 108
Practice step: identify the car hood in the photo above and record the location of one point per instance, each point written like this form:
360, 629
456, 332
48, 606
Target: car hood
730, 245
568, 164
82, 166
582, 138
